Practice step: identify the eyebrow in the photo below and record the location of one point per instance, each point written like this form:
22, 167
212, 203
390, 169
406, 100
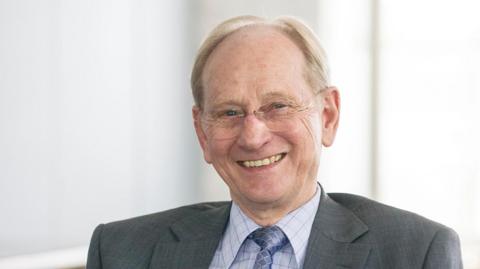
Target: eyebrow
278, 95
274, 94
226, 102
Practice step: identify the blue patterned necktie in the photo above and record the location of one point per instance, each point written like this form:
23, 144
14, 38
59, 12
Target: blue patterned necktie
270, 239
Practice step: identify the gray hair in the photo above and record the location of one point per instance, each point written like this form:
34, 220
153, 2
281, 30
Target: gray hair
297, 31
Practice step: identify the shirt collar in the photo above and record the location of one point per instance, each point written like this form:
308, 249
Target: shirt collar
296, 225
238, 229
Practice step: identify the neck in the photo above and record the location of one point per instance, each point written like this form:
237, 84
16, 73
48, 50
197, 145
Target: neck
264, 217
271, 213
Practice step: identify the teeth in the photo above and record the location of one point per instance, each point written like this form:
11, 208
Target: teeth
266, 161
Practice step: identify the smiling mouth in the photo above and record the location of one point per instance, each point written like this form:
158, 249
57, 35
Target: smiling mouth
263, 162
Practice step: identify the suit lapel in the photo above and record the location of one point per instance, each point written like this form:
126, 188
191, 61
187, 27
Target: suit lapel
331, 240
198, 237
331, 243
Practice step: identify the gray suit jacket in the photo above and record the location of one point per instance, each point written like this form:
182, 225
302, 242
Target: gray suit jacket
348, 232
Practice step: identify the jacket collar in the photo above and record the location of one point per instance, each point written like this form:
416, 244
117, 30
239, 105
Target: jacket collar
204, 225
198, 236
331, 243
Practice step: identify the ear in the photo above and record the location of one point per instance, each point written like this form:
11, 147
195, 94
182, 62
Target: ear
330, 115
202, 137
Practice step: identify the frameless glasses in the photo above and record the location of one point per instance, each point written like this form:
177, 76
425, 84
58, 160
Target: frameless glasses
226, 122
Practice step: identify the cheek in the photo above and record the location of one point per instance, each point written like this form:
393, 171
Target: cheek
306, 141
312, 132
218, 150
309, 136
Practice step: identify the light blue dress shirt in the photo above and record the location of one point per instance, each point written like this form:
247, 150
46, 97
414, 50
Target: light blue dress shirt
235, 250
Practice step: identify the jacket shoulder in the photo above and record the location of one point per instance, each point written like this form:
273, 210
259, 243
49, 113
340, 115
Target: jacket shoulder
129, 243
402, 239
153, 223
377, 215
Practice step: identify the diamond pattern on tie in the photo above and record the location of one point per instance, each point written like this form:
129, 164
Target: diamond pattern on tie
270, 239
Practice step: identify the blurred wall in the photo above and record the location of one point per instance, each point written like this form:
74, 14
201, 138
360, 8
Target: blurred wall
94, 117
95, 104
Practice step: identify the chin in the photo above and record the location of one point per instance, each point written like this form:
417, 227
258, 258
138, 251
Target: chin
265, 196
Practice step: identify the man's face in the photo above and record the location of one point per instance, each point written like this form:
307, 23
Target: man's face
266, 163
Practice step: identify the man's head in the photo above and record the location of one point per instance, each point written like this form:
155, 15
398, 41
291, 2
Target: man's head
263, 109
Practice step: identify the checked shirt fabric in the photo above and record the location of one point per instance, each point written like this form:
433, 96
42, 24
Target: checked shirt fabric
270, 239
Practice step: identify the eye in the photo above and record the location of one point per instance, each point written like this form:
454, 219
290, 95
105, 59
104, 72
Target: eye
278, 109
278, 105
229, 113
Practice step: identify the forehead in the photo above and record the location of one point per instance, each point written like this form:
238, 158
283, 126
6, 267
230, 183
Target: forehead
255, 61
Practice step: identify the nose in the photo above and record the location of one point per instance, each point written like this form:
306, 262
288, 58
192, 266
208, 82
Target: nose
254, 133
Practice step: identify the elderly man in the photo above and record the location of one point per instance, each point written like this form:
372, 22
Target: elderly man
263, 110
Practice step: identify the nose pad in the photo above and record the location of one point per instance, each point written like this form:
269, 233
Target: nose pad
254, 133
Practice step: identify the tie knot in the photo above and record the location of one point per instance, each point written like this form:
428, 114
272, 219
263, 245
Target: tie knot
269, 238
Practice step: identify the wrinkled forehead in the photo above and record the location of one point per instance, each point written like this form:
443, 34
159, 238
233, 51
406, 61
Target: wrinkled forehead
255, 61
